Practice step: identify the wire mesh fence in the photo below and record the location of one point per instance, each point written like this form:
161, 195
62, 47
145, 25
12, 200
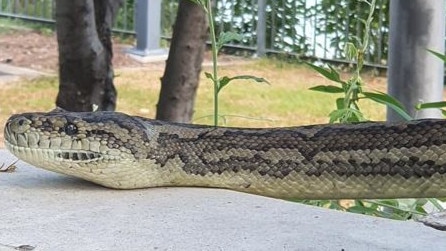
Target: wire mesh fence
301, 28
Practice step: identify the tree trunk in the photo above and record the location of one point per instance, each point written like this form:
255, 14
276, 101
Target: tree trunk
183, 66
85, 54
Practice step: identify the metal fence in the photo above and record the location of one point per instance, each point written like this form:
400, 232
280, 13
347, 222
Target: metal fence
308, 28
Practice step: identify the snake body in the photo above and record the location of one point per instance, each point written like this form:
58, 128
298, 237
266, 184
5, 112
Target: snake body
365, 160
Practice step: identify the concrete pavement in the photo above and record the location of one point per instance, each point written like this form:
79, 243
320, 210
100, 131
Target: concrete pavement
49, 211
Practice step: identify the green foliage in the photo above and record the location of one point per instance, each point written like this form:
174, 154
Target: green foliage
288, 23
347, 111
41, 9
329, 73
347, 108
225, 80
344, 22
341, 22
385, 99
438, 55
394, 209
402, 209
125, 18
283, 36
224, 37
438, 105
327, 89
282, 18
168, 15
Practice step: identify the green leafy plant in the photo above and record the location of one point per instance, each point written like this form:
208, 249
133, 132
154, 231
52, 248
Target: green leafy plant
347, 107
343, 18
348, 110
216, 45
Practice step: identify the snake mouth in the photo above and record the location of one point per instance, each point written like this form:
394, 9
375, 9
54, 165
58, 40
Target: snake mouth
31, 143
78, 155
53, 154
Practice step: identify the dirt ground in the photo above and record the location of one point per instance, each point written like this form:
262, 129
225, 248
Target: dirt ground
32, 49
37, 51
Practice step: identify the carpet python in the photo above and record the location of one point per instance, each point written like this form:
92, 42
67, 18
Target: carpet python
330, 161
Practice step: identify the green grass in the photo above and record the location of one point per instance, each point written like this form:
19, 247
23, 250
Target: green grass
287, 101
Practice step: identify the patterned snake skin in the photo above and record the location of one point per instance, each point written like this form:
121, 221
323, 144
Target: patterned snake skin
366, 160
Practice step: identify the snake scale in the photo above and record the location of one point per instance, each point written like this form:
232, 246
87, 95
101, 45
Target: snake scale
333, 161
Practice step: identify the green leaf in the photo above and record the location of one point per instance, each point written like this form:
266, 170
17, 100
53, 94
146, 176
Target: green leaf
438, 55
209, 76
327, 89
436, 204
384, 98
358, 41
362, 210
363, 21
396, 206
431, 105
226, 37
356, 116
329, 73
348, 115
340, 103
223, 82
226, 80
336, 74
350, 51
393, 203
337, 115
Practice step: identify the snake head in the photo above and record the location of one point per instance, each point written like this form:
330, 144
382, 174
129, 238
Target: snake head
76, 142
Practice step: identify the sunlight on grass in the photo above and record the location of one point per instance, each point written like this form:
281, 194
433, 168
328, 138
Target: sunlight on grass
287, 101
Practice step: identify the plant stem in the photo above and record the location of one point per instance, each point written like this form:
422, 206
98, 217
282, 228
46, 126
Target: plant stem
355, 83
214, 60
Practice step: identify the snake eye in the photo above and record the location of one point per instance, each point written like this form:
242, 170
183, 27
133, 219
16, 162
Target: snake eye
70, 129
21, 121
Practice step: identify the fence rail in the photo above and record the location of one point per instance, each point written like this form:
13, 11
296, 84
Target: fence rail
309, 28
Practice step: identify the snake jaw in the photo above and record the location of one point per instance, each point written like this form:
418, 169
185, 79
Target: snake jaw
80, 156
24, 147
24, 141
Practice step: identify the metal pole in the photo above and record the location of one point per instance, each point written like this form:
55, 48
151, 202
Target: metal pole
415, 75
148, 28
261, 28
